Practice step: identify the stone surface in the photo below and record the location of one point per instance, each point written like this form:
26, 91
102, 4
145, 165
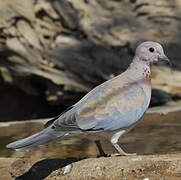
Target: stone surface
162, 167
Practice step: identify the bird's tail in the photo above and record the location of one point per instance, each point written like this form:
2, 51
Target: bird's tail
42, 137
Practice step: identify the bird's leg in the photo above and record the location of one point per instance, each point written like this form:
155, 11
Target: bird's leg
101, 151
121, 151
114, 140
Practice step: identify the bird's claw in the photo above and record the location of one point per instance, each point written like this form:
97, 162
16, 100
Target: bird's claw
123, 154
103, 155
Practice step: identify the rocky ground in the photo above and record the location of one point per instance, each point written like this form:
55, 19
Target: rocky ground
153, 167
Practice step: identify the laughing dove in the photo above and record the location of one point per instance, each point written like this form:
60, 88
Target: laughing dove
110, 109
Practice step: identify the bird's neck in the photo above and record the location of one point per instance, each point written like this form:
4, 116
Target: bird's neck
140, 69
141, 73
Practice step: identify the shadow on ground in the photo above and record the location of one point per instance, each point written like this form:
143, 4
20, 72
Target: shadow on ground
43, 168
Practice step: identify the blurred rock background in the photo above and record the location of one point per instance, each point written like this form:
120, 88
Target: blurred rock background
52, 52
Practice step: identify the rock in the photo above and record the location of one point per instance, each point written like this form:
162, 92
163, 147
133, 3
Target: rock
160, 167
136, 167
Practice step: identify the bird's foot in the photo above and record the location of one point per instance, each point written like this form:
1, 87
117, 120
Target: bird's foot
123, 154
103, 155
121, 151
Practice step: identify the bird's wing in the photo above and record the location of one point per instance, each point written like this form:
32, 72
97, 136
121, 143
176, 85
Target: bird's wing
67, 121
50, 122
106, 107
114, 109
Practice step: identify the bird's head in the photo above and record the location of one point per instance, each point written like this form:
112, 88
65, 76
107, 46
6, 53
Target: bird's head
151, 52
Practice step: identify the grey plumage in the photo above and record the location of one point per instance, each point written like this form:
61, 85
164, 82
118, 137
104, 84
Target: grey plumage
113, 107
42, 137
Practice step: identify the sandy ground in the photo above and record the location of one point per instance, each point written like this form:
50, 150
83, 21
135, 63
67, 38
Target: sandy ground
148, 167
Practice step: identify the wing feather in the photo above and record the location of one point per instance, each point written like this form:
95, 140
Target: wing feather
106, 107
116, 108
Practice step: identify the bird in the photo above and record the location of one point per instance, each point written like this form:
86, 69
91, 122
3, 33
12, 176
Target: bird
111, 109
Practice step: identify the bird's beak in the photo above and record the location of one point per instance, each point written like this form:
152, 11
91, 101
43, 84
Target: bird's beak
165, 59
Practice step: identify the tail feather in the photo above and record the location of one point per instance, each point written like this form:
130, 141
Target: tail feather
42, 137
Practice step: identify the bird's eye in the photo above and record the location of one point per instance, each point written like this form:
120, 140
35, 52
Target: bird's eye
151, 49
